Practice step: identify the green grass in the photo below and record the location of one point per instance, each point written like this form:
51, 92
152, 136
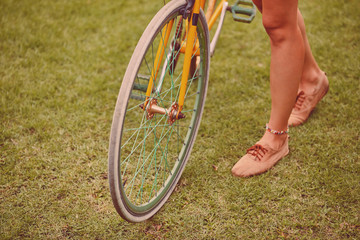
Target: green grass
61, 64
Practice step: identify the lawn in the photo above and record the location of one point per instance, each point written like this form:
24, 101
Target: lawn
61, 67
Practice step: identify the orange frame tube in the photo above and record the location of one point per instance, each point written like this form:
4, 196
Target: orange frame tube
211, 23
189, 48
216, 14
188, 53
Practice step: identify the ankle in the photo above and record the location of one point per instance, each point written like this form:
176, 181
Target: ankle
274, 138
274, 141
310, 81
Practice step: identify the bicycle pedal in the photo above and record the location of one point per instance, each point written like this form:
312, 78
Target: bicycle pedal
138, 97
139, 86
243, 11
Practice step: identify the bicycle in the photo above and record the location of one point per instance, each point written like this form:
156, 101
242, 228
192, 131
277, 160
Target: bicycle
153, 130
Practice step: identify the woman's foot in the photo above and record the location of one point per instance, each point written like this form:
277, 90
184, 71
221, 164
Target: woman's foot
307, 100
262, 156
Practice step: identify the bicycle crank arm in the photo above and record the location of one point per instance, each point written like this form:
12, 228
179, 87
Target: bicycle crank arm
172, 112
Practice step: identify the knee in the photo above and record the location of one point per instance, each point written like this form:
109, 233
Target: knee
278, 29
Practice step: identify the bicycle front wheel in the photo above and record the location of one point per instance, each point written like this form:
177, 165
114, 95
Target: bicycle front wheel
147, 154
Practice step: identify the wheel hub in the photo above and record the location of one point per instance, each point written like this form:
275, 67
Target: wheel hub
172, 112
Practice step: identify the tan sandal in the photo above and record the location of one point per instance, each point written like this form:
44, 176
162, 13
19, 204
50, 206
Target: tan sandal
305, 103
258, 159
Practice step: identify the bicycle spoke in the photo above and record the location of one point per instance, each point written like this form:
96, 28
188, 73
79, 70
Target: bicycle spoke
137, 172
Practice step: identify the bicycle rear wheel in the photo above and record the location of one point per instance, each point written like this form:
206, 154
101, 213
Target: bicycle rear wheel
147, 155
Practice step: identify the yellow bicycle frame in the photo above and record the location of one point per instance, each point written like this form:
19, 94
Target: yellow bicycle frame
189, 48
188, 53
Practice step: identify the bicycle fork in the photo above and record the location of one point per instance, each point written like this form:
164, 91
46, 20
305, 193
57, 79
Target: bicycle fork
174, 111
188, 53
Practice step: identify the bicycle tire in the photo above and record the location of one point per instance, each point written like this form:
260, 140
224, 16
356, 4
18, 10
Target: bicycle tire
137, 189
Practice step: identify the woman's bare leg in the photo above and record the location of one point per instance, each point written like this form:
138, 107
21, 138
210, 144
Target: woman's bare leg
287, 61
311, 70
313, 84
